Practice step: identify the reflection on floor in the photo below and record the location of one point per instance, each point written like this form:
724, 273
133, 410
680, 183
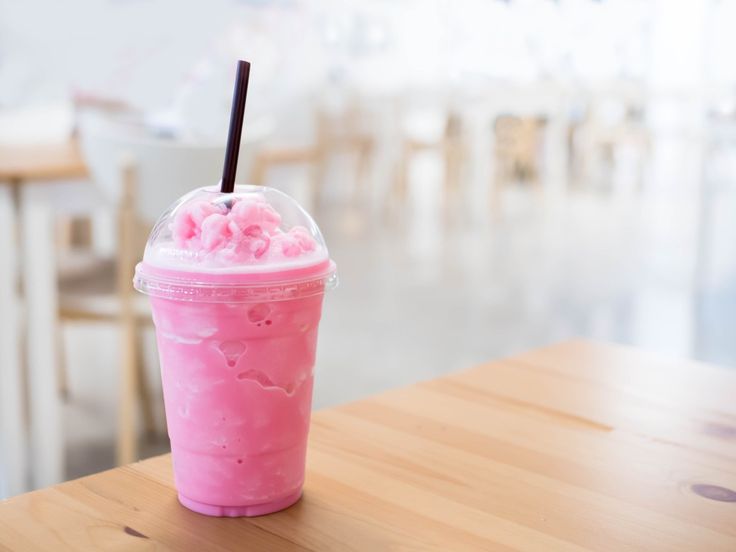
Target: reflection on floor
425, 291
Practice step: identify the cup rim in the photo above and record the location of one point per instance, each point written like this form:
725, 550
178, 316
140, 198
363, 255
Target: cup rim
233, 287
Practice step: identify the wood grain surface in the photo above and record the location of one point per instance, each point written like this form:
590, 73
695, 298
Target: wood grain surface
28, 164
578, 446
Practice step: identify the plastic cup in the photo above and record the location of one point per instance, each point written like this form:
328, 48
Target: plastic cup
236, 326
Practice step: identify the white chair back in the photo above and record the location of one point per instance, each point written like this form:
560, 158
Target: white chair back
165, 169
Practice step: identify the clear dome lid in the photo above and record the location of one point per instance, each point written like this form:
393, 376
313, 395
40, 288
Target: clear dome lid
253, 244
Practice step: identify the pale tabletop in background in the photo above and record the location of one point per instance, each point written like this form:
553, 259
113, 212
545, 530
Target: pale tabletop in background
25, 164
578, 446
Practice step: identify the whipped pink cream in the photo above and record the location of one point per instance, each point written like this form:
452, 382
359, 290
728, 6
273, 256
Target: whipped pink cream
247, 232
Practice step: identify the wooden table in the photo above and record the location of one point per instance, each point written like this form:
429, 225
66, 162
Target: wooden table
21, 167
579, 446
24, 164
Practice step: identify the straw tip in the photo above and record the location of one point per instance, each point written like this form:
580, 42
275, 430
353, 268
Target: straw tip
236, 127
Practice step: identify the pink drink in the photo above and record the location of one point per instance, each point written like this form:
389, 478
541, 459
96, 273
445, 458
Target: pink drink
236, 327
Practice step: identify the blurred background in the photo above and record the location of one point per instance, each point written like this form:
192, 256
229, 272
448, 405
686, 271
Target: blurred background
490, 176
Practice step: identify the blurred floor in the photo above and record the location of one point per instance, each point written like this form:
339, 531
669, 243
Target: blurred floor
426, 290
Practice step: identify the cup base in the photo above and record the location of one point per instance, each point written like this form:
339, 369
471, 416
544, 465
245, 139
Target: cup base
240, 511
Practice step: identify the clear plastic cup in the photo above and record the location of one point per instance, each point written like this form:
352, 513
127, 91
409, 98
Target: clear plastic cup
236, 302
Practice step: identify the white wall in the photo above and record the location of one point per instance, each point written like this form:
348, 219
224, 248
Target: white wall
154, 53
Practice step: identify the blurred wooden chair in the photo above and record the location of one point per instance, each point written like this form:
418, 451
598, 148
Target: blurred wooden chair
345, 131
331, 132
431, 129
297, 145
141, 177
517, 152
95, 288
613, 124
313, 156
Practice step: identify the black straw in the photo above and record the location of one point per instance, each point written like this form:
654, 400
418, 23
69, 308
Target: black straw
236, 128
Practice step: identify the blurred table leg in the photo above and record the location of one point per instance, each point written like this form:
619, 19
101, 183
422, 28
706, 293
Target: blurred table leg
556, 155
39, 285
13, 476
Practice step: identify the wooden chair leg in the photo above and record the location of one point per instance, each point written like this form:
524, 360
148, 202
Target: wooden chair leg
258, 170
365, 152
126, 451
64, 232
453, 167
317, 173
402, 175
144, 389
62, 377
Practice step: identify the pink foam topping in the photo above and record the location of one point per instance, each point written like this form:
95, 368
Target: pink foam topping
248, 233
